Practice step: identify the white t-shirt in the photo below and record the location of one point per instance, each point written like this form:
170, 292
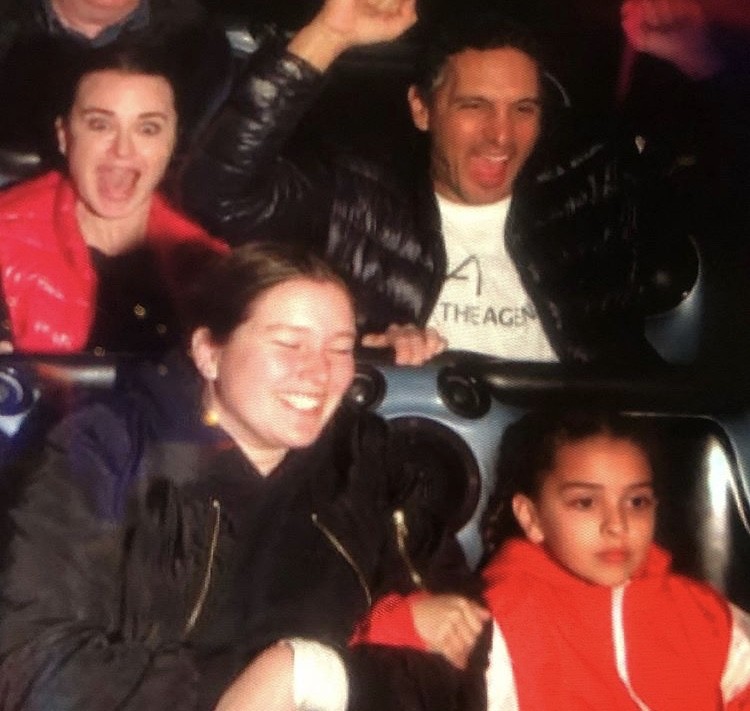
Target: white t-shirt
483, 306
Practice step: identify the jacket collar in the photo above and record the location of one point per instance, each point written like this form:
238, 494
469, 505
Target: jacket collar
519, 555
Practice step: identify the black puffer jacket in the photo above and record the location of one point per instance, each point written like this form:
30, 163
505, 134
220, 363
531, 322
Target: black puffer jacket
571, 231
149, 562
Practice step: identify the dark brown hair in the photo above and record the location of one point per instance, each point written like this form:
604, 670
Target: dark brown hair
227, 286
127, 55
481, 31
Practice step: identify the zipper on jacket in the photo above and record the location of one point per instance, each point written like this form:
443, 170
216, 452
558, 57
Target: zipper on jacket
344, 554
402, 536
618, 639
206, 584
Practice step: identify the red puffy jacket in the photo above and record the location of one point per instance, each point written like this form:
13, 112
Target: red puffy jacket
48, 280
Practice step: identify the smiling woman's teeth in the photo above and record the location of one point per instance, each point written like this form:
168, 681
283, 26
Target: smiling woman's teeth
302, 402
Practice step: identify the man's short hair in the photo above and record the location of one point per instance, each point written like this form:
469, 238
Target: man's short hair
482, 31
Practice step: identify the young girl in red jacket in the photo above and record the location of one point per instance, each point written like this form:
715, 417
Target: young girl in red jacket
587, 613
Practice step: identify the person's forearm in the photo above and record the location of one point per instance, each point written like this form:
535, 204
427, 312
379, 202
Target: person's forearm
239, 174
342, 24
317, 45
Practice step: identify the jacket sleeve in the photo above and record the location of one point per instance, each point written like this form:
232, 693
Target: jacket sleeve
240, 179
422, 556
390, 621
735, 682
62, 641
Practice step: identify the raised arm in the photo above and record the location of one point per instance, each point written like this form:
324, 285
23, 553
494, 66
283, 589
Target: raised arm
675, 31
342, 24
243, 177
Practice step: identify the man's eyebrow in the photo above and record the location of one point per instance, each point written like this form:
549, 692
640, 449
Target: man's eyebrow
469, 97
537, 100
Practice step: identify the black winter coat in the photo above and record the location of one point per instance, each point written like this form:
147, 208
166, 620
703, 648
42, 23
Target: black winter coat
571, 230
149, 562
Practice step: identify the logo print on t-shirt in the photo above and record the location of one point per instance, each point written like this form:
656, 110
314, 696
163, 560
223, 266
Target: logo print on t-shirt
508, 312
461, 272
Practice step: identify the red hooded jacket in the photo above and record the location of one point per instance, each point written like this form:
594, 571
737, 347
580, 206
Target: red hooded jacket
660, 641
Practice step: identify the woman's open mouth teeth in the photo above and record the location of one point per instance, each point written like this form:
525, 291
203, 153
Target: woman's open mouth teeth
303, 402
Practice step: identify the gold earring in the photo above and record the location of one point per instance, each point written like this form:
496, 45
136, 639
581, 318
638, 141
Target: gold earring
210, 417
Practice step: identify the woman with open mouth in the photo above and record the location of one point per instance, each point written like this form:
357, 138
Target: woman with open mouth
89, 254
